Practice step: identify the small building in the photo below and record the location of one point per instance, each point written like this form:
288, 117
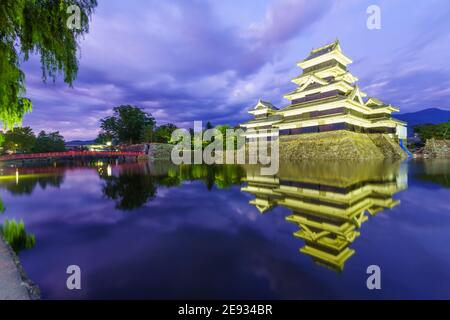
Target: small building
326, 99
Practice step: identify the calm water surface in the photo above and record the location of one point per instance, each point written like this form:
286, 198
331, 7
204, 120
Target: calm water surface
152, 230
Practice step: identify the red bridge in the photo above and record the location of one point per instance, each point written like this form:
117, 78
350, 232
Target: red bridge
71, 154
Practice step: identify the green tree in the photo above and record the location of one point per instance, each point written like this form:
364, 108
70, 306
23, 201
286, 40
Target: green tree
19, 140
2, 139
104, 138
148, 134
49, 142
223, 130
437, 131
29, 27
163, 133
128, 124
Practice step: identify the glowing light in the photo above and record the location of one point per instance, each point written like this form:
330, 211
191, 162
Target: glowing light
17, 176
109, 170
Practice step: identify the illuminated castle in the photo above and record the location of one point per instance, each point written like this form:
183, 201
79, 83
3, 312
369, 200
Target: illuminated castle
326, 99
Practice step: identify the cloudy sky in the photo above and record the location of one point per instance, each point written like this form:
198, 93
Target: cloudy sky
211, 60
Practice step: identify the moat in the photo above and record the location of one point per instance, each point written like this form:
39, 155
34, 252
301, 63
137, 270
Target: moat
154, 230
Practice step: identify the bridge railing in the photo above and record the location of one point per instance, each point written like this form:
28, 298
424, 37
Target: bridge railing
68, 154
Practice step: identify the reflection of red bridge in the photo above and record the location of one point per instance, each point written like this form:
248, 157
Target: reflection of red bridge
71, 155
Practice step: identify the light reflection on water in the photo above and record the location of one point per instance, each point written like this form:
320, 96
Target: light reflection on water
154, 230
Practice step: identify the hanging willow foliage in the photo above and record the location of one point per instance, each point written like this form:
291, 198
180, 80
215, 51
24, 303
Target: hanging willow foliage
29, 27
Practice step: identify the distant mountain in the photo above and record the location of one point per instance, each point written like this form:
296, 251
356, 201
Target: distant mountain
431, 116
76, 143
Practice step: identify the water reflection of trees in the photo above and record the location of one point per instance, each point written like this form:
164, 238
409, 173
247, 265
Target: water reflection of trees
436, 171
23, 181
129, 190
329, 201
131, 186
220, 176
16, 235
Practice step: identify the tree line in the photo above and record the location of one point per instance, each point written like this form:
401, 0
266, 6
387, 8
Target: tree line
440, 131
132, 125
128, 125
23, 140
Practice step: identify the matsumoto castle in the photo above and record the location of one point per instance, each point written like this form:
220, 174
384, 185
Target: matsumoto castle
326, 99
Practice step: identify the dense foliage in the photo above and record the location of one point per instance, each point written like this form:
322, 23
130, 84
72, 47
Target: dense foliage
127, 125
19, 140
131, 190
163, 133
131, 125
437, 131
49, 142
29, 27
104, 138
23, 140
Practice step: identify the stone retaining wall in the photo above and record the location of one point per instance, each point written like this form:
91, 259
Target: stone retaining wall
339, 145
160, 151
437, 148
335, 145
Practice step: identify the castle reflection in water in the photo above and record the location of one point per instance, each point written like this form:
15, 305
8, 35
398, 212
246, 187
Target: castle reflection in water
329, 201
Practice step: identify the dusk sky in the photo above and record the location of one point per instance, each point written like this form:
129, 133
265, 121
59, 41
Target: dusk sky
211, 60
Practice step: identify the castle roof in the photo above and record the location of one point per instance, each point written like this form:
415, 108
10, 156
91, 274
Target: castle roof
323, 50
264, 104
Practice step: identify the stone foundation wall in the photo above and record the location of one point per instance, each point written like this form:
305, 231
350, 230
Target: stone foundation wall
388, 146
437, 148
335, 145
339, 145
160, 151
